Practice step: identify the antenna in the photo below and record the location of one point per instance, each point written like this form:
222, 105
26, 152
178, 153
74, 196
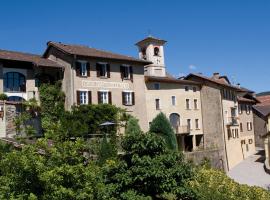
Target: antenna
149, 33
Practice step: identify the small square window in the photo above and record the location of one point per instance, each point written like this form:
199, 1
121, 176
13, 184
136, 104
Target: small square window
157, 86
194, 89
186, 88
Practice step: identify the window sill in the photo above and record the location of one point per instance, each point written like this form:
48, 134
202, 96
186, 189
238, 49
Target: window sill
103, 77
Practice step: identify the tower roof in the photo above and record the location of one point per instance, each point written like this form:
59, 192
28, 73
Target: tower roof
150, 39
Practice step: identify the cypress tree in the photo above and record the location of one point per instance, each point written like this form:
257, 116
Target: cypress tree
161, 126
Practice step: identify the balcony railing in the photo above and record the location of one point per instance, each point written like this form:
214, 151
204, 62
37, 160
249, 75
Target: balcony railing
182, 130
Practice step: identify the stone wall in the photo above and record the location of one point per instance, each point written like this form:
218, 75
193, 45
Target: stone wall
11, 113
215, 157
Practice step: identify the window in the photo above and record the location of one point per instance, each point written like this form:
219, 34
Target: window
249, 126
103, 70
241, 127
189, 124
187, 104
83, 97
248, 109
229, 133
237, 133
173, 100
104, 97
186, 88
128, 98
156, 51
197, 123
196, 104
82, 68
157, 104
156, 86
14, 82
194, 89
126, 72
240, 108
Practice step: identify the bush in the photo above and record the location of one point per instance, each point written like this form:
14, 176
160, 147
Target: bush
133, 126
148, 170
210, 184
161, 126
3, 97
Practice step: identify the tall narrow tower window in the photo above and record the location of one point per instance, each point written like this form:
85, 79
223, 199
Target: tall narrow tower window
156, 51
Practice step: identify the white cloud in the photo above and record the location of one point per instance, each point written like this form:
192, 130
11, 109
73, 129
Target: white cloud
192, 67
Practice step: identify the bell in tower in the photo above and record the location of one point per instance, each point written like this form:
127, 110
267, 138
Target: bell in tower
151, 49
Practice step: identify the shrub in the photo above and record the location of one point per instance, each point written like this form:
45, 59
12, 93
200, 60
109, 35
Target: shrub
161, 126
133, 126
213, 184
3, 97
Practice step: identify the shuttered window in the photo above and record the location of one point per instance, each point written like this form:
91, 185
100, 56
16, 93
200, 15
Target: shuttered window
103, 70
104, 97
128, 98
84, 97
126, 72
82, 68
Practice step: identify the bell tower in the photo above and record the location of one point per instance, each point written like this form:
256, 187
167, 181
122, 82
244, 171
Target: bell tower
151, 49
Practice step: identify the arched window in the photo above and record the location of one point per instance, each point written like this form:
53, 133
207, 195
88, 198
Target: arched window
175, 120
156, 51
14, 82
15, 98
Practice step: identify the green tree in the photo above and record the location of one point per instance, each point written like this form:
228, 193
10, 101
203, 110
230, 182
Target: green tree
133, 126
162, 127
147, 170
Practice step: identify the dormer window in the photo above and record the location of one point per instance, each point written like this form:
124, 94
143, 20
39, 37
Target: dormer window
156, 51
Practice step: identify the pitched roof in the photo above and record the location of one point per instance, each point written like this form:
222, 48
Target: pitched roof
216, 81
263, 109
265, 100
91, 52
150, 39
169, 79
27, 57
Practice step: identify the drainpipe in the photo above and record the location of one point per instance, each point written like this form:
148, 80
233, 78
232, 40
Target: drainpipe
72, 79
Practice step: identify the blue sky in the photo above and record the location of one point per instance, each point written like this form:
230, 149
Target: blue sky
227, 36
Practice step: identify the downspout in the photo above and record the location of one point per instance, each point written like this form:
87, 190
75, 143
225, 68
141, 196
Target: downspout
72, 79
224, 136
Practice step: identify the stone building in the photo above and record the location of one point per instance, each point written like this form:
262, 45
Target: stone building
221, 121
20, 76
211, 117
178, 99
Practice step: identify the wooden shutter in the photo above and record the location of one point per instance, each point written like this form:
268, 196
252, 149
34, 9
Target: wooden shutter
78, 68
133, 98
78, 97
89, 97
131, 73
108, 70
123, 98
99, 97
98, 69
110, 97
88, 68
122, 72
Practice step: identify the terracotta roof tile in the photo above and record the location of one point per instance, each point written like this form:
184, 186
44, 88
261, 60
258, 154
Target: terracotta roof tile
263, 109
169, 79
92, 52
27, 57
217, 81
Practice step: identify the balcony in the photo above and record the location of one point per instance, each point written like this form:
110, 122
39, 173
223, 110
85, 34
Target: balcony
182, 130
232, 121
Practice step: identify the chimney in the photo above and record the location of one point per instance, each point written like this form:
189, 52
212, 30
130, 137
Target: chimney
215, 75
238, 85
